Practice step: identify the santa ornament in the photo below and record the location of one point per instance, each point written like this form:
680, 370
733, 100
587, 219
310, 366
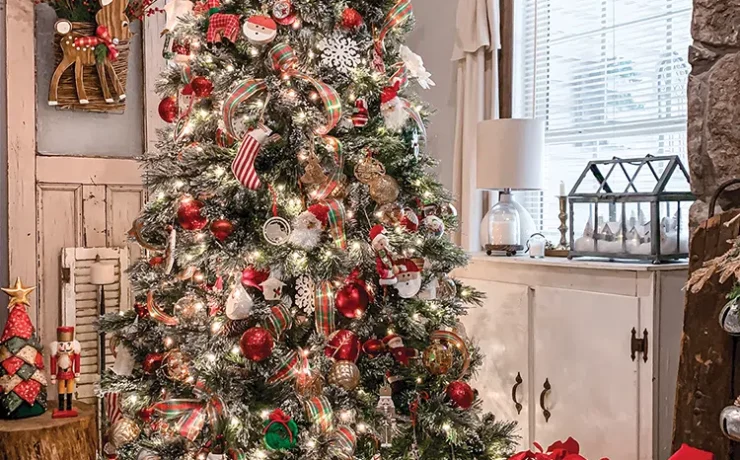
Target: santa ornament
409, 278
309, 225
259, 29
383, 257
65, 369
393, 110
401, 353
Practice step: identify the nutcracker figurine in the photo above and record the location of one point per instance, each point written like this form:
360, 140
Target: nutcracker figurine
388, 417
384, 263
65, 367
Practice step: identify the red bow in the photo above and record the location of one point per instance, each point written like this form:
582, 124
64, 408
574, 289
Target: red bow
278, 416
101, 36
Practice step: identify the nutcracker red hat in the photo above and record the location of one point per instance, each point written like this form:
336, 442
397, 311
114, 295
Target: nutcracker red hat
376, 231
393, 341
262, 21
390, 92
65, 333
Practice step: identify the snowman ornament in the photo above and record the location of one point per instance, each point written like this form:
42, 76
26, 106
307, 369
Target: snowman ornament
259, 29
409, 278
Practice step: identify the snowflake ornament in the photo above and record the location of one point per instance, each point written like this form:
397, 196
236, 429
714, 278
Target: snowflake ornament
304, 294
339, 52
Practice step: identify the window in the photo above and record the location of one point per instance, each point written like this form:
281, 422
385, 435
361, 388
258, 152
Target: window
608, 76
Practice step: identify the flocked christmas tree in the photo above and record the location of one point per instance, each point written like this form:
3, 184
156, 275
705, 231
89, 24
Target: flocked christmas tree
296, 302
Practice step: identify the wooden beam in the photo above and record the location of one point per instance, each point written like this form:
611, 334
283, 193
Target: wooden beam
21, 142
87, 171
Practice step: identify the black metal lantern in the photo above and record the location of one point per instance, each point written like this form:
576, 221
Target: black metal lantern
631, 209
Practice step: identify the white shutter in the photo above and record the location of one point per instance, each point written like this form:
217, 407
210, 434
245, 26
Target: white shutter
80, 305
608, 76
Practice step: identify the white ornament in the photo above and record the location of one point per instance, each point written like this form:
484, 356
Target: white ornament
272, 288
435, 225
340, 52
307, 232
276, 231
259, 29
239, 304
124, 362
409, 278
304, 294
175, 10
415, 66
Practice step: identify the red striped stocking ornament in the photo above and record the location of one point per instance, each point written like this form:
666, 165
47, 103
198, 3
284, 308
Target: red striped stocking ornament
243, 164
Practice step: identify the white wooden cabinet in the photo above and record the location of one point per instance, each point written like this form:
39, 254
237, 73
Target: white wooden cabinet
569, 323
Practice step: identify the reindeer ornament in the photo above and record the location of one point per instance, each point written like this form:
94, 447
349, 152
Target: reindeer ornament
98, 50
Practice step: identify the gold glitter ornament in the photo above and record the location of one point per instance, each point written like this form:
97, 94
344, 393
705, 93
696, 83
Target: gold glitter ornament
344, 374
188, 307
390, 214
177, 366
384, 189
124, 431
437, 359
309, 384
313, 172
367, 169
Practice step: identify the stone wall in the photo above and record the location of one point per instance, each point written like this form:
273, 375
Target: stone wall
714, 102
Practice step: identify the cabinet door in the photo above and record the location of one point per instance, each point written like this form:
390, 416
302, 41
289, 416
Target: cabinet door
499, 328
582, 349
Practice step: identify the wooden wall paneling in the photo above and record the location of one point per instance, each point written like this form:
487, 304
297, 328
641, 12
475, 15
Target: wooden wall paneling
21, 142
59, 225
94, 215
88, 171
124, 205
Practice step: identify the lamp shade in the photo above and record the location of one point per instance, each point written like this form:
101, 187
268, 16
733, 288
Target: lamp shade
509, 154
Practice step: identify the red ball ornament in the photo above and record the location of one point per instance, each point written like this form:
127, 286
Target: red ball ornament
189, 214
141, 310
146, 414
351, 19
256, 344
156, 261
460, 394
253, 278
352, 300
169, 109
152, 362
202, 87
373, 348
221, 229
343, 345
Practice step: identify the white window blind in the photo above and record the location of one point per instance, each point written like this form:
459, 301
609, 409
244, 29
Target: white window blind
608, 76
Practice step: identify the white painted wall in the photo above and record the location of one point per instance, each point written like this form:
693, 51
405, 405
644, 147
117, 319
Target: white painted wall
432, 38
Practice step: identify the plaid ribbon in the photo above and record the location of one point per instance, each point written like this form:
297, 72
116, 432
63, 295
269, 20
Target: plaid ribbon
326, 189
102, 36
283, 57
157, 313
292, 364
243, 92
224, 139
324, 304
457, 342
329, 98
222, 26
186, 74
414, 114
400, 75
191, 415
279, 320
343, 443
399, 14
320, 413
336, 222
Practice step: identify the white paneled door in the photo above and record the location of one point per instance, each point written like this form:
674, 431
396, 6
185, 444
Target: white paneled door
499, 327
582, 354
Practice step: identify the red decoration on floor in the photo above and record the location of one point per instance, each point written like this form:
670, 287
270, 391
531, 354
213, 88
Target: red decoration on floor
687, 452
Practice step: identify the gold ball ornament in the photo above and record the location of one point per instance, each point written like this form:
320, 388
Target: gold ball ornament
437, 359
309, 384
384, 189
177, 366
367, 169
124, 432
344, 374
188, 307
390, 214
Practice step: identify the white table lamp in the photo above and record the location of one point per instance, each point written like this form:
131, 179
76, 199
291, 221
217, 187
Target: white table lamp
509, 157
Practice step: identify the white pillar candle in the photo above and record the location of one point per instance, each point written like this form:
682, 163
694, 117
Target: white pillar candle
562, 188
505, 232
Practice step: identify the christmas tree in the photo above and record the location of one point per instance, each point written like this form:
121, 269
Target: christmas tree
296, 303
22, 381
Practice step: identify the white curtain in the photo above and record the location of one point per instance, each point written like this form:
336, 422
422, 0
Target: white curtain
476, 48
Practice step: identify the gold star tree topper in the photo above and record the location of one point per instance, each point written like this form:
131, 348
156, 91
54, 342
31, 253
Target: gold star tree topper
18, 294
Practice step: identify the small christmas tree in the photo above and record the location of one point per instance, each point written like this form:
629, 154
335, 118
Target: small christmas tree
22, 382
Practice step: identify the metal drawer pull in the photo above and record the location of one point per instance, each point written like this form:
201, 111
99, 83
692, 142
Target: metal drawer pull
517, 404
544, 393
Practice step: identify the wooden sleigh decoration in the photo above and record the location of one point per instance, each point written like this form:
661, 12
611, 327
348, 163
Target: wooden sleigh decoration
90, 59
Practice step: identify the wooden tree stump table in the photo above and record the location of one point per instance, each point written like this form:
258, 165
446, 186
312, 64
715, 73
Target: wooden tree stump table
45, 438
